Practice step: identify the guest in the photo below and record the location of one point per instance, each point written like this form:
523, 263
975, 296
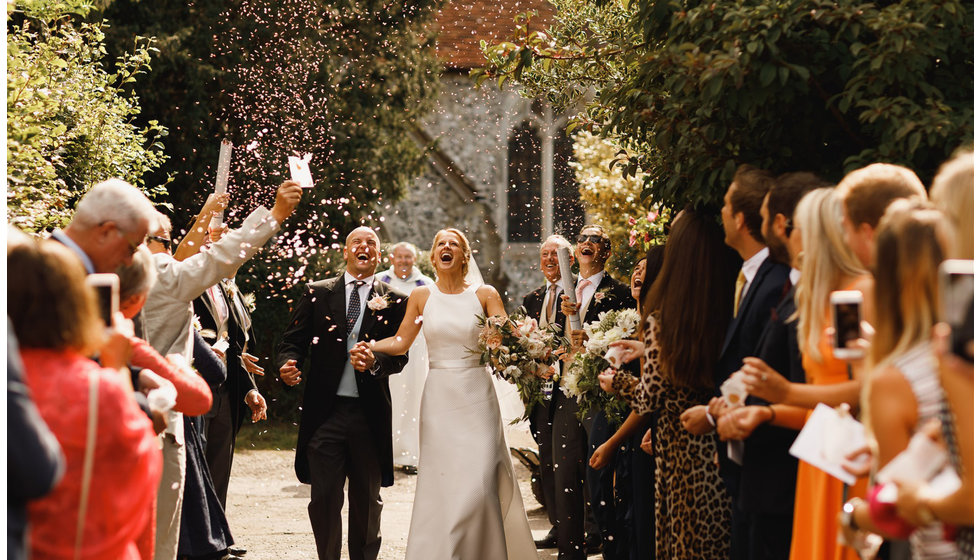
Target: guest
865, 194
37, 464
222, 310
573, 438
767, 485
682, 307
758, 289
104, 504
642, 467
827, 265
406, 387
903, 392
543, 304
952, 192
168, 315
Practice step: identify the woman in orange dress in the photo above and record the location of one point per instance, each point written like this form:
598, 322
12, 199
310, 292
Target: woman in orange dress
827, 265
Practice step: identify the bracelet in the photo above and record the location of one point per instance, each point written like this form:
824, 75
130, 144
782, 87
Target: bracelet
772, 414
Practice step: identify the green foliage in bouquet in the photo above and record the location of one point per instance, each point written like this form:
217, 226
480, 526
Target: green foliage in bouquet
520, 352
581, 379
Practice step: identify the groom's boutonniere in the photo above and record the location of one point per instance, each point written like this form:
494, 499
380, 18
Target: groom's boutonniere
599, 296
377, 303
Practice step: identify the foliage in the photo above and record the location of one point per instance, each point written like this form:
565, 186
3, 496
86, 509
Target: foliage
340, 80
649, 230
69, 120
609, 197
520, 352
581, 379
825, 85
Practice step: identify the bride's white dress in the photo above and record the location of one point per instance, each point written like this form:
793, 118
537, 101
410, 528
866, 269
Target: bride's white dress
467, 502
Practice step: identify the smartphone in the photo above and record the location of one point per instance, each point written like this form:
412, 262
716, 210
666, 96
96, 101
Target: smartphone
956, 308
846, 305
107, 289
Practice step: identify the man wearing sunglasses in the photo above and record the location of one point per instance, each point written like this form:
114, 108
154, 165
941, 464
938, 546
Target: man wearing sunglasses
596, 292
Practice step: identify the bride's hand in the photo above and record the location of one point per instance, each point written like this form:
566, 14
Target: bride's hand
361, 356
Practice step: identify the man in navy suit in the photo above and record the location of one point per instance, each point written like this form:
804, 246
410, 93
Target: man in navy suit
345, 427
758, 290
768, 476
596, 292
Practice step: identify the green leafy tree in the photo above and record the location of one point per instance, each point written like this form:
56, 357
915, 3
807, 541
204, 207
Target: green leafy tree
826, 86
70, 121
341, 80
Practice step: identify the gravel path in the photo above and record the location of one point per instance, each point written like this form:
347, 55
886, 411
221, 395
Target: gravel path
267, 507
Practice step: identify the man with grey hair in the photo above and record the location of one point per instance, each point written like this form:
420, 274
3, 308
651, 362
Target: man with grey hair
406, 388
168, 320
544, 305
110, 222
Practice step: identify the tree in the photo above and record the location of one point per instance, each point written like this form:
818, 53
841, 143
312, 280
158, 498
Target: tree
826, 86
341, 80
69, 119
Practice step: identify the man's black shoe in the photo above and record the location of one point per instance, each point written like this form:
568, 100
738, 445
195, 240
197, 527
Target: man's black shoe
593, 544
548, 541
237, 551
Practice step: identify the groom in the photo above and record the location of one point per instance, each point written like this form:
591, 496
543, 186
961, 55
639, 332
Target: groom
345, 427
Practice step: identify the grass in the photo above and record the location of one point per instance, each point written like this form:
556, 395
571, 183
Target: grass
264, 435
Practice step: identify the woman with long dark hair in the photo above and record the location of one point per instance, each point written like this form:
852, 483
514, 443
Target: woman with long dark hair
682, 339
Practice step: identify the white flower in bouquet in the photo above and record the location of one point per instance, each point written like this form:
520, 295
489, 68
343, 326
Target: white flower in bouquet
628, 319
537, 349
569, 380
527, 326
596, 345
512, 372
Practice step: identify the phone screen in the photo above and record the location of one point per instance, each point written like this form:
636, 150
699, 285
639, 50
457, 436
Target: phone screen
847, 322
105, 302
958, 312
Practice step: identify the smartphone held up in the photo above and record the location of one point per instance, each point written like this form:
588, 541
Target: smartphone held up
107, 289
846, 309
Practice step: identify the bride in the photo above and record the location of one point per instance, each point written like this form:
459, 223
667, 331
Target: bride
467, 502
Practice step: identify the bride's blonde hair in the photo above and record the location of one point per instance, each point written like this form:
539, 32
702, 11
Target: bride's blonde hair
463, 243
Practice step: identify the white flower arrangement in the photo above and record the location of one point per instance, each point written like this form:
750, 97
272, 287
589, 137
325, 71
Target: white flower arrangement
378, 302
581, 379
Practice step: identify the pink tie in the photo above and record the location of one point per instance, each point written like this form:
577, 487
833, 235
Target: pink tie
580, 289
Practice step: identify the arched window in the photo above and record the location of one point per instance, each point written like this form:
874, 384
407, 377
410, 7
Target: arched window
524, 184
569, 215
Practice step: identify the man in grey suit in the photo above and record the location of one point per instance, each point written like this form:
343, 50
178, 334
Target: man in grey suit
345, 427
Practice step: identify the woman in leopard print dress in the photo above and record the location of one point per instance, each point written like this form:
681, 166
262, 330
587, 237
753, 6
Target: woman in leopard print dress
682, 339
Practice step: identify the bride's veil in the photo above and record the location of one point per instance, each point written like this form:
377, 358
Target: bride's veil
509, 400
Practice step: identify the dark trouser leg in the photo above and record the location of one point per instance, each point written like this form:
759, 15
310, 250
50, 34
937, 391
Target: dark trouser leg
364, 490
644, 501
602, 495
769, 535
327, 456
543, 436
219, 435
569, 445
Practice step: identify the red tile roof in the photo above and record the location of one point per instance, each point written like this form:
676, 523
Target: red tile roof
463, 23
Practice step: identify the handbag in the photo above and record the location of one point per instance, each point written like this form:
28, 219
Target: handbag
93, 409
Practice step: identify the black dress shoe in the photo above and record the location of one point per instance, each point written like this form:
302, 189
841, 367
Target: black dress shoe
593, 544
237, 551
548, 541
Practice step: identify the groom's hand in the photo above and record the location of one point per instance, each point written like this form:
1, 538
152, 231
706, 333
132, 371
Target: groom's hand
289, 373
361, 357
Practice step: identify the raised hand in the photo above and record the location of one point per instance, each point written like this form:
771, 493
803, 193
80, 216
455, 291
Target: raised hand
634, 349
287, 197
251, 364
567, 307
214, 204
290, 374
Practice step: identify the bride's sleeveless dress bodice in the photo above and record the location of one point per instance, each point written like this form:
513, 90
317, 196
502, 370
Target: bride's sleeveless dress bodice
468, 505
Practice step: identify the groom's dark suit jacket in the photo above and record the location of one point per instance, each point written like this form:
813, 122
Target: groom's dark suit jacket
319, 326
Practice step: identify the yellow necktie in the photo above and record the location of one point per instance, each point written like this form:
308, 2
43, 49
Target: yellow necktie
550, 312
739, 285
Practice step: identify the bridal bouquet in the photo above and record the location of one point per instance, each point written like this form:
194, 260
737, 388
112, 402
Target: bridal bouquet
520, 352
581, 378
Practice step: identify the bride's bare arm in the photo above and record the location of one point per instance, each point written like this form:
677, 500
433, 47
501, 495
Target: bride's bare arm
409, 329
490, 299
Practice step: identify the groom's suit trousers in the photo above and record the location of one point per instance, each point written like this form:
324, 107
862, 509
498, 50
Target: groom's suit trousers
341, 451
